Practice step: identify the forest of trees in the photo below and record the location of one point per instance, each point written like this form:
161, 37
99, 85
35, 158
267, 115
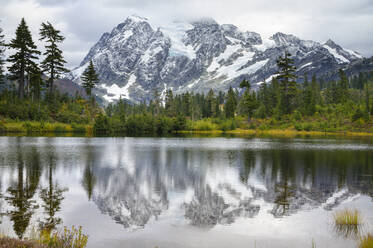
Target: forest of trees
28, 94
314, 105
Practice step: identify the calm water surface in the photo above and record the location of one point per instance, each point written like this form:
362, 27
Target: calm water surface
187, 192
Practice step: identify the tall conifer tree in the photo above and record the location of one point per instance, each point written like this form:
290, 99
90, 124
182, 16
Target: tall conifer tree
248, 102
89, 78
288, 85
53, 64
169, 103
343, 95
230, 104
26, 53
367, 98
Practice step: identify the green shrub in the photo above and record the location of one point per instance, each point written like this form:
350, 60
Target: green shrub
2, 127
58, 128
298, 126
32, 127
203, 125
297, 115
261, 112
357, 115
101, 124
180, 123
263, 127
307, 126
163, 125
225, 125
252, 125
233, 125
78, 128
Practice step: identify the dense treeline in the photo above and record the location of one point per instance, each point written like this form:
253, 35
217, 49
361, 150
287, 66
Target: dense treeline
314, 105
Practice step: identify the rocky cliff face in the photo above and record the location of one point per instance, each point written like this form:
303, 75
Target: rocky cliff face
136, 58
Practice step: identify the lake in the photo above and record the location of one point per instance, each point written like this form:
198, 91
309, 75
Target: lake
187, 192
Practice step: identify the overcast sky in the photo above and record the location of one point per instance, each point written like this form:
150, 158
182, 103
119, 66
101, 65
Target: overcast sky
347, 22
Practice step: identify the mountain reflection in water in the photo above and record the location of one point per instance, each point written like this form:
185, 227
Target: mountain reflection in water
205, 182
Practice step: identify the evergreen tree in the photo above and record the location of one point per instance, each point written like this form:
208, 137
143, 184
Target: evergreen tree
248, 101
321, 83
210, 104
274, 93
247, 104
186, 103
264, 98
367, 99
89, 78
26, 52
221, 97
156, 101
288, 85
53, 64
360, 81
169, 103
36, 84
316, 91
230, 104
217, 112
310, 96
305, 82
2, 50
332, 93
343, 94
245, 84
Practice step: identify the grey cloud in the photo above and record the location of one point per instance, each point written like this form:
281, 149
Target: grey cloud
83, 21
55, 2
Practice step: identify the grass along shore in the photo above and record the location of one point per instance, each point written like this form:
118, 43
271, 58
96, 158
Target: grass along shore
13, 126
261, 128
67, 238
278, 133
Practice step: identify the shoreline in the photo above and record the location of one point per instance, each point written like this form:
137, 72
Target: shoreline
280, 133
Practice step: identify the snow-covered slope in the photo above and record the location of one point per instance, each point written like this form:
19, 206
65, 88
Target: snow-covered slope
136, 57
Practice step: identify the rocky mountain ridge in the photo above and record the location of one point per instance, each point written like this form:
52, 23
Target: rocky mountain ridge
136, 58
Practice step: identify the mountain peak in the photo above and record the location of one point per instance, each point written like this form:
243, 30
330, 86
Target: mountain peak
283, 39
197, 55
331, 43
136, 18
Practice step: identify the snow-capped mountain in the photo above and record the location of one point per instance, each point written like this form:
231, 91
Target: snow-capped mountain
136, 58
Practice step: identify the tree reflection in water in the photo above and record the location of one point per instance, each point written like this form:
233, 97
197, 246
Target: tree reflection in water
1, 203
52, 196
89, 179
21, 191
22, 195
